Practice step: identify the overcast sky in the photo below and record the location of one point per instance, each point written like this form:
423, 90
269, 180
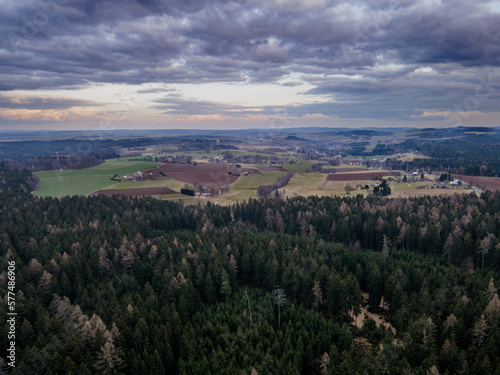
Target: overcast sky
79, 64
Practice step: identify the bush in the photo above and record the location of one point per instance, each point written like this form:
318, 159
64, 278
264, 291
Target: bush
187, 192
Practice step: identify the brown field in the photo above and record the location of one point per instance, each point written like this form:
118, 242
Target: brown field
362, 176
203, 174
349, 169
135, 192
485, 183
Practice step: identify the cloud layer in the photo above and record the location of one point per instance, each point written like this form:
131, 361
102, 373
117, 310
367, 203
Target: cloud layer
379, 59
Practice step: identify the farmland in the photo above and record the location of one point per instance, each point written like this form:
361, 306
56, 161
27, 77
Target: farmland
246, 187
361, 176
307, 184
86, 181
267, 161
173, 177
136, 192
482, 182
203, 174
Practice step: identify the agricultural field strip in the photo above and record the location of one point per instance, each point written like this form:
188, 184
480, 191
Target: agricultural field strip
86, 181
356, 176
136, 191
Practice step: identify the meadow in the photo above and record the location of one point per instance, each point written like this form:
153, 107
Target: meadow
246, 187
86, 181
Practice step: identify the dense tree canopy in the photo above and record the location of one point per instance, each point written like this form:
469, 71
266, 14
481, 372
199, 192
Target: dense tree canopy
143, 286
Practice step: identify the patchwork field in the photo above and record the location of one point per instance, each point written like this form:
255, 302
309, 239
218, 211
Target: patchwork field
203, 174
349, 169
246, 187
97, 180
86, 181
361, 176
307, 184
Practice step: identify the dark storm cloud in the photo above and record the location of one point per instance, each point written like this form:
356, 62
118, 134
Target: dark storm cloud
48, 44
405, 96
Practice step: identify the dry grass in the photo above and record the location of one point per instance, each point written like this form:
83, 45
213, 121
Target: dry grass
361, 175
307, 184
431, 192
408, 157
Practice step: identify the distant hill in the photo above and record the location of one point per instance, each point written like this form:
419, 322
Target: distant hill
295, 138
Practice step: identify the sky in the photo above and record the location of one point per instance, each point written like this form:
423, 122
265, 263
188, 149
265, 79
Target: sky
216, 64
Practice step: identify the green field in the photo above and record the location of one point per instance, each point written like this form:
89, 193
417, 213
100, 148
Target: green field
164, 182
88, 180
305, 164
246, 187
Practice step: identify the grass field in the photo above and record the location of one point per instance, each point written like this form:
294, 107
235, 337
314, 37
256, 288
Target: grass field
88, 180
431, 192
305, 164
409, 157
308, 184
246, 187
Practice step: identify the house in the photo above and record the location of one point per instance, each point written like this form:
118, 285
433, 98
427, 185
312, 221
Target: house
136, 176
456, 183
440, 185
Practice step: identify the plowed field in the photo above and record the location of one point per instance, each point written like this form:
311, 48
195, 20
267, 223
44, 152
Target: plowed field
359, 176
482, 182
203, 174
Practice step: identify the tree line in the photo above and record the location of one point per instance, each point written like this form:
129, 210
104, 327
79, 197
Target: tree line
266, 190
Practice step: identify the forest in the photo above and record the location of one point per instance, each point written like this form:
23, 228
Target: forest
473, 155
108, 285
